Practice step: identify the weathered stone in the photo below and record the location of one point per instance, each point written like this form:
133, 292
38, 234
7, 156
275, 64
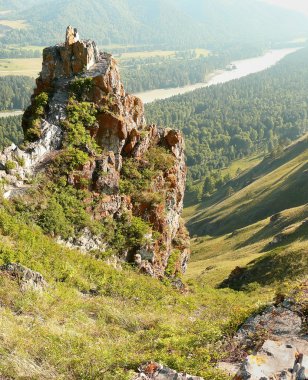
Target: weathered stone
28, 161
70, 36
106, 177
155, 371
27, 278
85, 242
278, 342
120, 132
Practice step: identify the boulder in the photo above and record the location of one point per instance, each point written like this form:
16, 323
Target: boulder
276, 341
27, 278
155, 371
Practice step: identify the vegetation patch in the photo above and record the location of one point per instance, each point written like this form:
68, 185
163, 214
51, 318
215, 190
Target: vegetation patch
89, 306
81, 87
34, 123
137, 176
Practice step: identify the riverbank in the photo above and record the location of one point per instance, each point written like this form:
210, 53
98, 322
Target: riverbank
11, 113
242, 68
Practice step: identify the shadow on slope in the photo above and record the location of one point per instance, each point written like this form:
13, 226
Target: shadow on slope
286, 258
278, 265
284, 226
270, 187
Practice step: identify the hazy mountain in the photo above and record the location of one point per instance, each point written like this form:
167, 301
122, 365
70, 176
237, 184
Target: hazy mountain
17, 4
161, 22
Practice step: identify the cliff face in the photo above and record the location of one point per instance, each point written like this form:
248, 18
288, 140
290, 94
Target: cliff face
81, 118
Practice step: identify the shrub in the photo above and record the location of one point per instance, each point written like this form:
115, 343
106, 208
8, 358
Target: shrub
33, 131
137, 176
81, 117
69, 160
80, 87
159, 158
10, 165
131, 232
171, 269
20, 160
53, 220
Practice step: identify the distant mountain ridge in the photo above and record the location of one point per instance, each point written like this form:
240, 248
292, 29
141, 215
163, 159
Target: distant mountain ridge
179, 23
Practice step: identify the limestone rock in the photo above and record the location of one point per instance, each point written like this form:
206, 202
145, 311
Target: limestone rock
85, 242
274, 321
26, 162
155, 371
27, 278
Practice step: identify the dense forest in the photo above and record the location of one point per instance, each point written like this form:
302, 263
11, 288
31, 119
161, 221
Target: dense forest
233, 120
15, 92
180, 24
13, 52
10, 131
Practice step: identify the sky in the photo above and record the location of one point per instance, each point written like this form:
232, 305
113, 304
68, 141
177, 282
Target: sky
299, 5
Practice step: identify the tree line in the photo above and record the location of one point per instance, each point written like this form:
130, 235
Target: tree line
15, 92
10, 131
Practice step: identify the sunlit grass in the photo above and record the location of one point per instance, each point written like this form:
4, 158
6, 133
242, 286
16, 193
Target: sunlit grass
15, 24
21, 66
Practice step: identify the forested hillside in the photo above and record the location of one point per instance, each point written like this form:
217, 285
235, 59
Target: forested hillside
15, 92
158, 22
10, 131
233, 120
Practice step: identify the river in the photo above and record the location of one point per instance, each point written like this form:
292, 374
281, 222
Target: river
11, 113
243, 68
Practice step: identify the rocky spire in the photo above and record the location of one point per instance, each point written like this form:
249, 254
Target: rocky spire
71, 36
121, 132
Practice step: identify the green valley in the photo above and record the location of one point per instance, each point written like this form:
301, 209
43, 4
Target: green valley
261, 227
146, 239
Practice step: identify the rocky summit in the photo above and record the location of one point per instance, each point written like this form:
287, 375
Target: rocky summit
83, 132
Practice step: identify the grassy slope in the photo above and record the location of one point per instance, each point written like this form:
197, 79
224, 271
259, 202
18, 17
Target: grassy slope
236, 231
94, 322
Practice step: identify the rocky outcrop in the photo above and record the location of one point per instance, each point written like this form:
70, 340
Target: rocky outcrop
275, 342
86, 242
155, 371
27, 278
121, 133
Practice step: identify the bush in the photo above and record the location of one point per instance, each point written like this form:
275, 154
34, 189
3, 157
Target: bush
172, 269
54, 222
20, 161
69, 160
137, 176
81, 117
37, 111
131, 233
160, 159
80, 87
10, 165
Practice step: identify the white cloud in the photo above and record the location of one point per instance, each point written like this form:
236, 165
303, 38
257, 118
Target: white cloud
299, 5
